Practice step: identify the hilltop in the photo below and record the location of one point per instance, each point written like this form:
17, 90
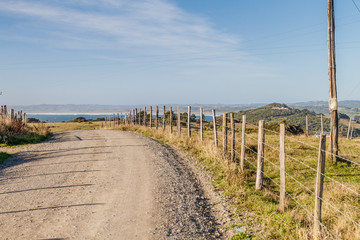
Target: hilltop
276, 112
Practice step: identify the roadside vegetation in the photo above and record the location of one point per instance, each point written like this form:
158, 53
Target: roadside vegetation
3, 157
257, 212
15, 133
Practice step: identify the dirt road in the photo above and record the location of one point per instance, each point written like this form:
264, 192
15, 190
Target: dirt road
102, 185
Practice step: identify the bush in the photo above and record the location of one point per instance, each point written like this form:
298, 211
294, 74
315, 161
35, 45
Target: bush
14, 132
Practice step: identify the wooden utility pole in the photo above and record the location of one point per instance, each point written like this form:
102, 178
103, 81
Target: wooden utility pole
334, 127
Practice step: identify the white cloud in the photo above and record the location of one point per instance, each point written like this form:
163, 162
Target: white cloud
123, 24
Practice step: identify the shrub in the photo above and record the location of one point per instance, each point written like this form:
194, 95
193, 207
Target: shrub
14, 132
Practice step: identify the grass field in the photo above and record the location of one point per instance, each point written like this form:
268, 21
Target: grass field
65, 126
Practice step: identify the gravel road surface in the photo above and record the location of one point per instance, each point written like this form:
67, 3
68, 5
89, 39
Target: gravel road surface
102, 184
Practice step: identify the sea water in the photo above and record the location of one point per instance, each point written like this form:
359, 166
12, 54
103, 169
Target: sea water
67, 117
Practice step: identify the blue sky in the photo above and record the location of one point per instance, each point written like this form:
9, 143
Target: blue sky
174, 51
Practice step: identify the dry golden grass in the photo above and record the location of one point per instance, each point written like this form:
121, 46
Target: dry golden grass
65, 126
295, 223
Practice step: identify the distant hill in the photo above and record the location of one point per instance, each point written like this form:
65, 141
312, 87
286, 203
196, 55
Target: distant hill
95, 108
348, 107
69, 108
275, 113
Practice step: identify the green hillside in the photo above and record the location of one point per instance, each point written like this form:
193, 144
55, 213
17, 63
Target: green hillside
275, 113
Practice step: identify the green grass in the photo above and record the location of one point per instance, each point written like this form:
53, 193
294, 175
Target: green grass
3, 157
30, 138
30, 134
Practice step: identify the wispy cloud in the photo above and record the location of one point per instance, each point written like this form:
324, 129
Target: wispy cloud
121, 24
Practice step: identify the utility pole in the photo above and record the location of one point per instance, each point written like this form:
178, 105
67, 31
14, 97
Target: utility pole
333, 105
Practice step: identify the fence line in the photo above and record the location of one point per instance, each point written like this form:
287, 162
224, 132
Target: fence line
260, 153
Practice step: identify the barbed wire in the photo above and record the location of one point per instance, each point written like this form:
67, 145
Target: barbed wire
293, 198
308, 189
304, 164
301, 162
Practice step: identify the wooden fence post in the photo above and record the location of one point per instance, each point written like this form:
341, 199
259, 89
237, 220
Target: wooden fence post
170, 120
139, 120
243, 142
118, 119
224, 130
189, 122
136, 116
164, 119
201, 124
157, 117
349, 128
179, 121
132, 116
150, 117
352, 130
322, 123
260, 156
215, 130
25, 119
144, 123
12, 114
306, 126
319, 187
232, 125
114, 119
282, 168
